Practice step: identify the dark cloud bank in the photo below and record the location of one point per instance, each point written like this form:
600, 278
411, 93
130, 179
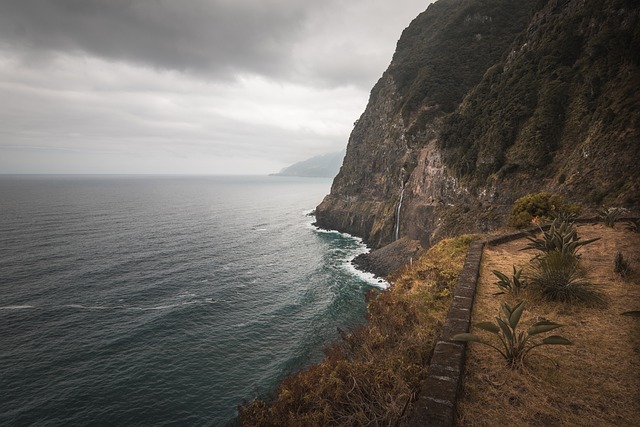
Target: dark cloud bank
218, 37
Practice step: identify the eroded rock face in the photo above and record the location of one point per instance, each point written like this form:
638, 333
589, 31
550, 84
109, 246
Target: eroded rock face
393, 145
368, 186
486, 101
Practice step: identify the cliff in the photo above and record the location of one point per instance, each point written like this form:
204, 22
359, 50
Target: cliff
485, 101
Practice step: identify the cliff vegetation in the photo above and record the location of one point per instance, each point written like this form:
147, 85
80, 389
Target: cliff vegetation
371, 376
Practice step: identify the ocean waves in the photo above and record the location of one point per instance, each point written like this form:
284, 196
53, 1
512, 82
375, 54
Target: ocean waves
354, 247
157, 300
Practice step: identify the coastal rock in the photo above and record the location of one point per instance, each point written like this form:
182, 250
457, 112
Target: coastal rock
389, 259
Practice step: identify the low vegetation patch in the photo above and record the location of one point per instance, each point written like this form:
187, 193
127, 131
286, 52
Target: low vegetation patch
591, 382
622, 266
543, 205
373, 374
633, 225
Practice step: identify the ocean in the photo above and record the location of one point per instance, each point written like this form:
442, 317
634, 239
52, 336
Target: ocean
163, 300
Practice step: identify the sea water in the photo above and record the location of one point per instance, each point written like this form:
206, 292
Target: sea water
139, 300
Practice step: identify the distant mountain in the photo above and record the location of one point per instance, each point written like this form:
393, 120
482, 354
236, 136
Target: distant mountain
324, 166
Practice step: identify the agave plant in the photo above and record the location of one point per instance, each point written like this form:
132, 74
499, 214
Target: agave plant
561, 237
609, 215
564, 216
560, 277
514, 346
513, 284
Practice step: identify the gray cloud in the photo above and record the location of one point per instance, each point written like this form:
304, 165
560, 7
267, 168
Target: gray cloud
326, 43
219, 37
194, 86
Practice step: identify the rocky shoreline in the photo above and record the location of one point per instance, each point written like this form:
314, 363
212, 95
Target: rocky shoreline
390, 258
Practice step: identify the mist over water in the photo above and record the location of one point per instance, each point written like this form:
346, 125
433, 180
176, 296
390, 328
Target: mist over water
163, 300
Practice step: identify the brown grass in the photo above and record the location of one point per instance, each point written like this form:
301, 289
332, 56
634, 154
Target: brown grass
372, 376
594, 382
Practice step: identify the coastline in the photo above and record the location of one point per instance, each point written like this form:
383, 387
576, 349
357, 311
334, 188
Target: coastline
374, 370
371, 276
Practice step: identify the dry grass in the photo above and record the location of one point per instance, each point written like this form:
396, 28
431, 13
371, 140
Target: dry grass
372, 376
596, 381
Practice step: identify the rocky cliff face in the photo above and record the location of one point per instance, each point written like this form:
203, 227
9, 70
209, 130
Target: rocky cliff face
488, 100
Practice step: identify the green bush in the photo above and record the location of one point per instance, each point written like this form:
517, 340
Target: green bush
541, 205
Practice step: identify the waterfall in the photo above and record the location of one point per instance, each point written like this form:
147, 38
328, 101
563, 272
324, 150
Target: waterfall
396, 231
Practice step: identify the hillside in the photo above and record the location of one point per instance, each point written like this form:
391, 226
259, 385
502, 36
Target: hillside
324, 166
486, 101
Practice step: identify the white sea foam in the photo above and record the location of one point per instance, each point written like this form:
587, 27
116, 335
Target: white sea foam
368, 277
339, 233
90, 307
165, 307
134, 308
186, 295
17, 307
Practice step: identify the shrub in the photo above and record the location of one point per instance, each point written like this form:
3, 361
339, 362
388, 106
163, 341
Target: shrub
542, 205
559, 277
513, 284
514, 346
561, 237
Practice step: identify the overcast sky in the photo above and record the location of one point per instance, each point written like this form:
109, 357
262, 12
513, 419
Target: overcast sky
189, 87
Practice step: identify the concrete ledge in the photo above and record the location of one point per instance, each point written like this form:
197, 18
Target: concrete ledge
436, 402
